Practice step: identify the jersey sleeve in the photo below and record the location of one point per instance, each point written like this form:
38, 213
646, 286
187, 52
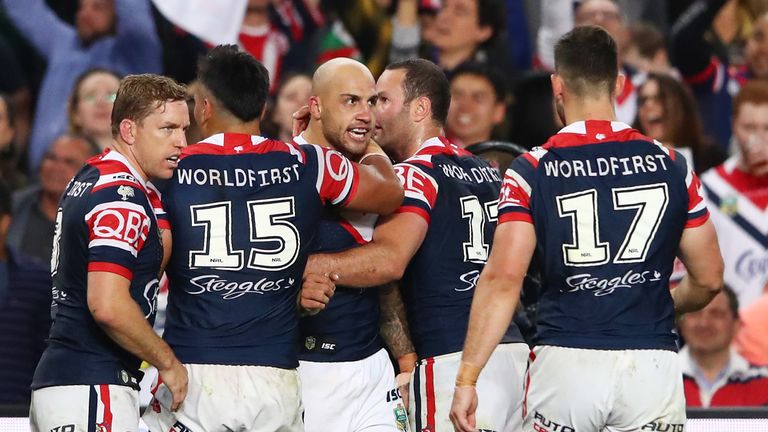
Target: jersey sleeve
157, 207
515, 194
337, 177
420, 190
118, 226
697, 208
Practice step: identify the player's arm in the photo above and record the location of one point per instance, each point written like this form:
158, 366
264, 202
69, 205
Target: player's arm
493, 304
115, 311
379, 190
393, 327
700, 252
396, 239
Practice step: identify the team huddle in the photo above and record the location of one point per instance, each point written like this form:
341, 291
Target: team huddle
298, 270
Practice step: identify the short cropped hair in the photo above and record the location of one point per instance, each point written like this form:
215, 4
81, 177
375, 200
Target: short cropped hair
236, 79
754, 92
139, 95
587, 60
424, 78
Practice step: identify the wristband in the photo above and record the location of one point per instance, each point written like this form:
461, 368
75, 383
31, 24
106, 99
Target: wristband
468, 374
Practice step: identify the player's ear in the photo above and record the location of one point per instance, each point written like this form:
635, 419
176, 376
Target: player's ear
557, 85
620, 80
315, 107
421, 108
128, 131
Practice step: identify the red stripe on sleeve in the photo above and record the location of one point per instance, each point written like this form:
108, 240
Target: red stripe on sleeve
117, 269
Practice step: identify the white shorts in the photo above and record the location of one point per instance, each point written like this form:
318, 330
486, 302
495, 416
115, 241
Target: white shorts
499, 391
571, 389
84, 408
227, 398
352, 396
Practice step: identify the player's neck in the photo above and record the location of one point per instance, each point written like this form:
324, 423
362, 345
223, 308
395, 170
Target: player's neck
589, 109
711, 363
221, 125
421, 135
314, 134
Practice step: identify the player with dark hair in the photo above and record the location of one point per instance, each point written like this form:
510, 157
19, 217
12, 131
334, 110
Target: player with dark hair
437, 242
245, 211
605, 209
106, 262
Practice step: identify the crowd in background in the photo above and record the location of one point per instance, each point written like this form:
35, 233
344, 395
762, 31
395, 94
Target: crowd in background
694, 74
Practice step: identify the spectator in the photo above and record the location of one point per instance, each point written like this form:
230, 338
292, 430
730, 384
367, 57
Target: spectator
9, 171
114, 34
737, 195
90, 106
292, 94
606, 14
263, 40
35, 207
478, 104
667, 112
713, 81
463, 31
25, 304
14, 84
647, 50
714, 374
752, 340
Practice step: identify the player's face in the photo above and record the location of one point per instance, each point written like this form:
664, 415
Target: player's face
160, 138
347, 117
61, 162
293, 95
392, 116
756, 49
95, 99
650, 110
94, 19
750, 128
456, 26
711, 329
474, 109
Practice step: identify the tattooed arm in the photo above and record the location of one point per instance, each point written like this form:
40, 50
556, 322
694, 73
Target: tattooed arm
394, 331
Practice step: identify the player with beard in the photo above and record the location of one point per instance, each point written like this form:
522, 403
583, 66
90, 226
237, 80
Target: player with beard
436, 244
605, 209
245, 211
347, 378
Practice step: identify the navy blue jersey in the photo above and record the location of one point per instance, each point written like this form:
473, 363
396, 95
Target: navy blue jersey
348, 328
244, 212
609, 206
105, 223
457, 194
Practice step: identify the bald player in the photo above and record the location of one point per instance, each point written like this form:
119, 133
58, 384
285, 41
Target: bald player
348, 383
245, 213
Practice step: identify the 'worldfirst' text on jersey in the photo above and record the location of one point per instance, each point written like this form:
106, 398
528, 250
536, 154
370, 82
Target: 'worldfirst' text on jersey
609, 206
244, 212
457, 195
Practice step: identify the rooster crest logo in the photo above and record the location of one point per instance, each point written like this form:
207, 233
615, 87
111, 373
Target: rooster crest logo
125, 192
